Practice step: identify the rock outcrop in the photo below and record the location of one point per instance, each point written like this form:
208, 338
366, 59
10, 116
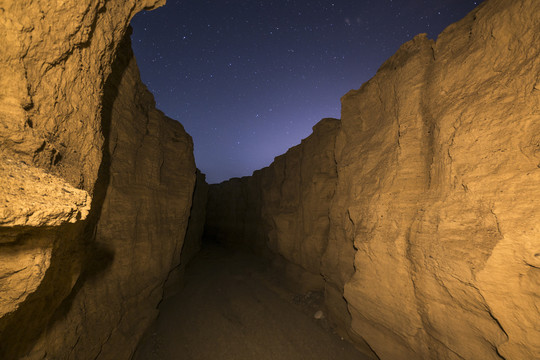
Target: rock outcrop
433, 246
96, 183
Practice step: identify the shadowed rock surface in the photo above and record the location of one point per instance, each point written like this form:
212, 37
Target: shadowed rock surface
233, 306
141, 227
193, 239
433, 240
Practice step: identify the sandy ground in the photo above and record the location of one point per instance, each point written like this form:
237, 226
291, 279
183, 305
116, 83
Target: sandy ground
233, 307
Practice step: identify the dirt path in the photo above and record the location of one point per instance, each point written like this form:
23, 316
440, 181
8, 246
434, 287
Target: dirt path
233, 308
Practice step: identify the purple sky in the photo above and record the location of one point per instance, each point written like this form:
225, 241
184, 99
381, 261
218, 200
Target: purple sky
249, 78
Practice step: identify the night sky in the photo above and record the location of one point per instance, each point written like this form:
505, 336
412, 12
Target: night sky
248, 78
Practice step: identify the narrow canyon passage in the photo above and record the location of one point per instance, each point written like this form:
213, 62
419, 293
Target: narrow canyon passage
233, 306
413, 215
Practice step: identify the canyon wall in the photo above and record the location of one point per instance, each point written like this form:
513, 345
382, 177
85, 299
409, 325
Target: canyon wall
283, 208
96, 183
193, 239
432, 248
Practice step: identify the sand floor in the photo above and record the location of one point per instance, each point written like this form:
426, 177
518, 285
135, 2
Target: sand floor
233, 306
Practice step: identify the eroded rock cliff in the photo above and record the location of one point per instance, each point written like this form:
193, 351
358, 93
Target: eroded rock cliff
96, 183
432, 248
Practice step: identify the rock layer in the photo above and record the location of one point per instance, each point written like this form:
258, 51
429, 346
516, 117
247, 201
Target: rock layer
433, 241
83, 270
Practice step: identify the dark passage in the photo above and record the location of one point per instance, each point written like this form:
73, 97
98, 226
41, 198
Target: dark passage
233, 306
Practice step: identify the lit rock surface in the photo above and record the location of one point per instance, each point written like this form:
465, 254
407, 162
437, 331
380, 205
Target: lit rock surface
55, 58
434, 235
29, 197
80, 281
32, 197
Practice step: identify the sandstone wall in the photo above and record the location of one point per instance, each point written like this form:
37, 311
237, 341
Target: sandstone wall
56, 56
433, 247
197, 216
96, 183
194, 235
233, 212
54, 59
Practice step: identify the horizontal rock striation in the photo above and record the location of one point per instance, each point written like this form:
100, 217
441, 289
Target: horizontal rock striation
433, 245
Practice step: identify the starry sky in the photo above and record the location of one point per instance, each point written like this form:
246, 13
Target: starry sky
249, 78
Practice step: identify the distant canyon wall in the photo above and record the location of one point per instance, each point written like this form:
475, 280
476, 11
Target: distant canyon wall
282, 208
430, 242
96, 184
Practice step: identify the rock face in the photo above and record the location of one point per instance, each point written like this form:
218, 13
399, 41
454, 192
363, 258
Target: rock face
197, 217
433, 245
193, 239
96, 183
54, 62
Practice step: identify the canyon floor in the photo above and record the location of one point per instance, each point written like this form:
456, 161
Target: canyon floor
234, 306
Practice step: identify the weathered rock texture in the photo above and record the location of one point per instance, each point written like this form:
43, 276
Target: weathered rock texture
55, 58
96, 183
197, 217
433, 244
